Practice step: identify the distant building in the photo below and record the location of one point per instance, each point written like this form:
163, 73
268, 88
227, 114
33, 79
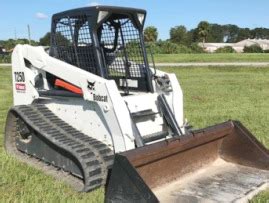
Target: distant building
238, 47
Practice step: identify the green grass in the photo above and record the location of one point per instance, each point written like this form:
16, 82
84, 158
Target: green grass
215, 57
211, 95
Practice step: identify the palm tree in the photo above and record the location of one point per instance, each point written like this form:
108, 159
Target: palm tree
150, 34
203, 30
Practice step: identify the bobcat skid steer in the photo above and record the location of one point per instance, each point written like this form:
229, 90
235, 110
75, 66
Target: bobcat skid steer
92, 112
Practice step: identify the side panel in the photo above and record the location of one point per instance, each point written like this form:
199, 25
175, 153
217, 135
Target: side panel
83, 115
102, 92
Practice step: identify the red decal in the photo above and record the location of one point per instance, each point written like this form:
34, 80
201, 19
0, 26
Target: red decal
20, 87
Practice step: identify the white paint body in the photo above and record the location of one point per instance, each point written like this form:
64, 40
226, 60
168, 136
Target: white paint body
109, 121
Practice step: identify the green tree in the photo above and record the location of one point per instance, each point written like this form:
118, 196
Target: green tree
179, 35
11, 43
45, 40
193, 34
151, 34
260, 33
243, 33
226, 49
203, 30
167, 47
231, 33
215, 33
195, 48
60, 39
255, 48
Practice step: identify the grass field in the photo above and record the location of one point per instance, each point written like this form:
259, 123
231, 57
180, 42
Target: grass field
211, 95
215, 57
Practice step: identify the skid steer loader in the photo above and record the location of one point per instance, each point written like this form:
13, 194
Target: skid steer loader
92, 112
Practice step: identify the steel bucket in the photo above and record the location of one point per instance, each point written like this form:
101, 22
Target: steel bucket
222, 163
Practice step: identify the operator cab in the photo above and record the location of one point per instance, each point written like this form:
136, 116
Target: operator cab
106, 41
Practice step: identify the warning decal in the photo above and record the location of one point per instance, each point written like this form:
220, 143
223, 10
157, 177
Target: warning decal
20, 87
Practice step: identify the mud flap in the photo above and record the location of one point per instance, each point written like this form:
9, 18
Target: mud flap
221, 163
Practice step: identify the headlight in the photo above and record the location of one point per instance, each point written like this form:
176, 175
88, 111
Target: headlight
102, 15
141, 18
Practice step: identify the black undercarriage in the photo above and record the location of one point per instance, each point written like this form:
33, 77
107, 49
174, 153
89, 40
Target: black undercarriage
35, 135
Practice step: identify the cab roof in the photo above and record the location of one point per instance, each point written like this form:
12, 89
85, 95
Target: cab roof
94, 10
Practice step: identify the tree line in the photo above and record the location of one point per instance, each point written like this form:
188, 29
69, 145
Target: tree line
181, 40
208, 32
11, 43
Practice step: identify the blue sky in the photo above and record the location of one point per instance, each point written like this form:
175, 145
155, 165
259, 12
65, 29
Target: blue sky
16, 14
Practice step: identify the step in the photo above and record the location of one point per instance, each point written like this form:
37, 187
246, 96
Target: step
143, 113
155, 136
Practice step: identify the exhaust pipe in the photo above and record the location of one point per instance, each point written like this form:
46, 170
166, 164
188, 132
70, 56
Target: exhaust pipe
224, 162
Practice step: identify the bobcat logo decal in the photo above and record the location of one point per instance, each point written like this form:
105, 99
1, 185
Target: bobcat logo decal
91, 85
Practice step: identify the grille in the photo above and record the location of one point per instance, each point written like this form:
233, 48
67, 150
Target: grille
73, 43
127, 59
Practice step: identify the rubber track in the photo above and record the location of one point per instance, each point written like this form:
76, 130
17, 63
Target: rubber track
95, 157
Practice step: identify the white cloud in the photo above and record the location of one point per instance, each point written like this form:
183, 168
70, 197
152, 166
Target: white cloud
40, 15
94, 3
